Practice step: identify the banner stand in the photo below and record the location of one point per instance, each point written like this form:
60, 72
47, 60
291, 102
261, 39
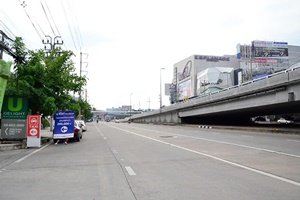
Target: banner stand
34, 131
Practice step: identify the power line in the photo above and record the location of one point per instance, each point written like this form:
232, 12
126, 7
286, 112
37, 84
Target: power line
47, 18
7, 28
54, 22
4, 25
40, 27
23, 4
52, 18
68, 25
74, 25
80, 36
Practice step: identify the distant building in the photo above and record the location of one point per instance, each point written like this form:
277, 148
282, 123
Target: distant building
199, 74
263, 58
185, 73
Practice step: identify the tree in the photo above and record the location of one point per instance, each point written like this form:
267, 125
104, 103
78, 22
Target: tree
49, 83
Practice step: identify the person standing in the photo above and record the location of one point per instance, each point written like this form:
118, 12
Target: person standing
65, 141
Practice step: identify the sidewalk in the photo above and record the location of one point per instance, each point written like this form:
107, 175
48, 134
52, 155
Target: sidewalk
12, 145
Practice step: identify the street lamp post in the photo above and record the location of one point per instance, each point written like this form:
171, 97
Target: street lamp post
130, 107
160, 97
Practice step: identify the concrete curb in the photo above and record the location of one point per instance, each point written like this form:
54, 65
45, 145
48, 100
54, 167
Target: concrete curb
14, 145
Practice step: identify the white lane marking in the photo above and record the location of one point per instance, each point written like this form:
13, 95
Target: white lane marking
130, 171
216, 158
115, 151
247, 136
293, 140
104, 138
233, 144
98, 129
21, 159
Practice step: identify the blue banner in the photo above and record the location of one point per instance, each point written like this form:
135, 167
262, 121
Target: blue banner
64, 124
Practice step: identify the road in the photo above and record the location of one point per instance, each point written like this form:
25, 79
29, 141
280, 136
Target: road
136, 161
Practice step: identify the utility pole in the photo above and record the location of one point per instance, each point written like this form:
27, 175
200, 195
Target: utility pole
160, 96
80, 74
149, 104
51, 46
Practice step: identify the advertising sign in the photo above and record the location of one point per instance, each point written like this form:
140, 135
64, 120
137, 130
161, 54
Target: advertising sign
186, 72
268, 49
185, 90
15, 107
33, 131
13, 128
34, 125
64, 124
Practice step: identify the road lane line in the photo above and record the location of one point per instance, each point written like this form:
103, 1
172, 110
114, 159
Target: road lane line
23, 158
293, 140
115, 151
130, 171
233, 144
216, 158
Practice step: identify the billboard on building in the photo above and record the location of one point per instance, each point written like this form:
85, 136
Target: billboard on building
184, 78
185, 90
266, 50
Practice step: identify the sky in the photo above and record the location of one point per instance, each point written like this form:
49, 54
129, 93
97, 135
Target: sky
129, 47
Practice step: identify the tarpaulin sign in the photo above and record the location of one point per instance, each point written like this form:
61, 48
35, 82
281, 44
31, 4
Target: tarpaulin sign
64, 124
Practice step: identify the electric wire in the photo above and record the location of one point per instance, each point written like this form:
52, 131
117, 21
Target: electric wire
74, 25
52, 18
4, 26
78, 26
47, 18
54, 23
24, 5
11, 34
68, 25
13, 25
39, 26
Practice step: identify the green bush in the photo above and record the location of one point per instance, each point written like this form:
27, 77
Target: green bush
45, 123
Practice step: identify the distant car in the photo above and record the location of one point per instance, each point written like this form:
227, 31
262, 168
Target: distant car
259, 119
83, 125
117, 121
90, 120
284, 121
78, 132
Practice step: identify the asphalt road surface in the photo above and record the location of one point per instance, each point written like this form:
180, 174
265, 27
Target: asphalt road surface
150, 162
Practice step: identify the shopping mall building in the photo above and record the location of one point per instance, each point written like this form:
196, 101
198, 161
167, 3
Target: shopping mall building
203, 74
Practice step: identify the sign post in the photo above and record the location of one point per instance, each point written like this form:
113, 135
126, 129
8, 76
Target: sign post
34, 131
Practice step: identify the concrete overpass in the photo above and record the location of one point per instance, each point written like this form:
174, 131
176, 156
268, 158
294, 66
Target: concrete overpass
275, 94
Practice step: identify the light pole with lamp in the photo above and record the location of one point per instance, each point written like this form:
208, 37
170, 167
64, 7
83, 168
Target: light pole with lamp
160, 97
130, 108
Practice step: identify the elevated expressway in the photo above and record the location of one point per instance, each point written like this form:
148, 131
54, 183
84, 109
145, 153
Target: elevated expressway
275, 94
